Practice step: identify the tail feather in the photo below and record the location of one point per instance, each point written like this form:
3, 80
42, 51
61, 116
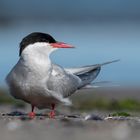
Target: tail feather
88, 73
84, 69
109, 62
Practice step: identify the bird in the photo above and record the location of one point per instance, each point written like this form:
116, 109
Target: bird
38, 81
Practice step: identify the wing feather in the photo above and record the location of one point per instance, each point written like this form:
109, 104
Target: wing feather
88, 73
65, 82
62, 82
85, 69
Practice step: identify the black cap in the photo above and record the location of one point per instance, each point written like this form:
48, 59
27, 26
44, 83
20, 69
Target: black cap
35, 37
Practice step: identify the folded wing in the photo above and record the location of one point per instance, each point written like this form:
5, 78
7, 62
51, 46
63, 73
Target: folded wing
88, 73
65, 82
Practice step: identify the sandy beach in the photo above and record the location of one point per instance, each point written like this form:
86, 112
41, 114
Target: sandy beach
19, 126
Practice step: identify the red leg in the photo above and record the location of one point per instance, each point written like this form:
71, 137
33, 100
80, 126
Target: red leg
32, 113
52, 113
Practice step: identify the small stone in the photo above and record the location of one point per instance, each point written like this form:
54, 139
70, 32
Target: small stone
93, 117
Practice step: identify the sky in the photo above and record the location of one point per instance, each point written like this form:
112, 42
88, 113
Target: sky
100, 30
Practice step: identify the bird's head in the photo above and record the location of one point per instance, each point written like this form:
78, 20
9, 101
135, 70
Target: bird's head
41, 42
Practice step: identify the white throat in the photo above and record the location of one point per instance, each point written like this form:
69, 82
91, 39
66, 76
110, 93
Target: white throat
38, 54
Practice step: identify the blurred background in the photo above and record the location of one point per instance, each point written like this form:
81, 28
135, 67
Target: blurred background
100, 30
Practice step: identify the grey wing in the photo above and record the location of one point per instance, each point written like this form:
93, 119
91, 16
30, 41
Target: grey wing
84, 69
89, 76
63, 82
66, 82
88, 73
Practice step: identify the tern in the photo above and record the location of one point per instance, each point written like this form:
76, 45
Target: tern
41, 83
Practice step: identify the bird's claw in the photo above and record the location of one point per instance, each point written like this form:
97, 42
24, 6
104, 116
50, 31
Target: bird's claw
52, 114
32, 115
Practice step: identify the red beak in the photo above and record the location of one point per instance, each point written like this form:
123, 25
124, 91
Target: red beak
61, 45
